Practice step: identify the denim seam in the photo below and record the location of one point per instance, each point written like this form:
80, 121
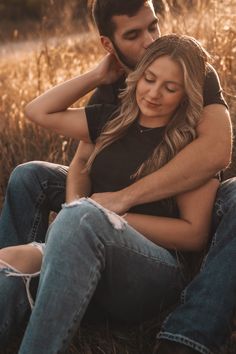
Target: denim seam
152, 258
45, 184
184, 340
36, 220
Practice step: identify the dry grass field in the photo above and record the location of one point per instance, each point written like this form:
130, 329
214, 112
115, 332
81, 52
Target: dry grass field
35, 68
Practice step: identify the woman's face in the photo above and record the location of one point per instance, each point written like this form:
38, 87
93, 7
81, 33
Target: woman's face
160, 91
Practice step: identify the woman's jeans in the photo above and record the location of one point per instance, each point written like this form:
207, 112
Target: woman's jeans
203, 320
86, 252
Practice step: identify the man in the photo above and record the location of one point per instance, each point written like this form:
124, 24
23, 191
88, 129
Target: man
126, 29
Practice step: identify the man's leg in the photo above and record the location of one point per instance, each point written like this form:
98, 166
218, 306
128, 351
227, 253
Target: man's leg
203, 320
34, 189
87, 251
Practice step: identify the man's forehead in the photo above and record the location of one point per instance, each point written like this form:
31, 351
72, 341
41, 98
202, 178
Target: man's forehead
143, 18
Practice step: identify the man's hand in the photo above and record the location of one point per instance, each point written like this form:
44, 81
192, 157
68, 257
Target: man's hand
109, 70
114, 201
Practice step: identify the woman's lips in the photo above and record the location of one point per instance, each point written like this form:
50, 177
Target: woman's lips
152, 104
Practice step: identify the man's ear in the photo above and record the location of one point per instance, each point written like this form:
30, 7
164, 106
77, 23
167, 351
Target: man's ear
107, 44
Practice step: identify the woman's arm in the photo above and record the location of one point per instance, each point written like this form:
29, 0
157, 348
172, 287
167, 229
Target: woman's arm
188, 233
51, 109
78, 180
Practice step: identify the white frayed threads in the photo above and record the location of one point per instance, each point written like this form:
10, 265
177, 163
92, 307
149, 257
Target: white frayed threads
10, 271
73, 204
116, 220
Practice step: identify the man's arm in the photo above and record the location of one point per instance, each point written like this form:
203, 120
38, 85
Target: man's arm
78, 181
189, 232
189, 169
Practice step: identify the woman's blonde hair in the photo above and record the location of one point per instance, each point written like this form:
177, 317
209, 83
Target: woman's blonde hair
181, 129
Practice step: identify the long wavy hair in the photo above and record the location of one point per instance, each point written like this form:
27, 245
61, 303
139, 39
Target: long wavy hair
181, 129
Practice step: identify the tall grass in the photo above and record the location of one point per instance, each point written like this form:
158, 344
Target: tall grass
30, 73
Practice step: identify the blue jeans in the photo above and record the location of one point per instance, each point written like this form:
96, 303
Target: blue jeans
203, 321
34, 189
131, 278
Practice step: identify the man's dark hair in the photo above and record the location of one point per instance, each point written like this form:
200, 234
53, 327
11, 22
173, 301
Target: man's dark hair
103, 10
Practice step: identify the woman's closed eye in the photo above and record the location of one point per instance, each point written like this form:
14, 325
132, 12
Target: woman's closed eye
149, 78
171, 89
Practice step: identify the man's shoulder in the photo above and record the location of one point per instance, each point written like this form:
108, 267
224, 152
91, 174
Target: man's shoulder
213, 93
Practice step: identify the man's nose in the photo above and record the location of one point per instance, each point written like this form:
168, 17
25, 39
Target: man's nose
148, 39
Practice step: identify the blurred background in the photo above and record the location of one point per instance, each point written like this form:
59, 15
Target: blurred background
43, 42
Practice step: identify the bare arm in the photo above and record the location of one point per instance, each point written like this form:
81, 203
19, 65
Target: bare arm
189, 169
191, 231
51, 109
78, 181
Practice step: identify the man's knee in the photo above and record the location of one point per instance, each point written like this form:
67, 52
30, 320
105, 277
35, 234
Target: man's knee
24, 173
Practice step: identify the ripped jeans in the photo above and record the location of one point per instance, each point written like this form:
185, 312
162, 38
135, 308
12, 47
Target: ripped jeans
94, 257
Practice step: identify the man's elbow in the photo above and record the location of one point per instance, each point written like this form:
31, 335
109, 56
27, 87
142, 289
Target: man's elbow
223, 154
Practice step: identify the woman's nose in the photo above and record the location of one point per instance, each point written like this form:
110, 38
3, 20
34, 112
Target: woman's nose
155, 92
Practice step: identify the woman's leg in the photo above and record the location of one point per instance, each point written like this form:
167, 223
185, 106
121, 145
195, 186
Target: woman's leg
136, 277
15, 298
24, 258
14, 306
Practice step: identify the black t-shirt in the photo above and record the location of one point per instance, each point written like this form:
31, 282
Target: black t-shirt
212, 91
115, 165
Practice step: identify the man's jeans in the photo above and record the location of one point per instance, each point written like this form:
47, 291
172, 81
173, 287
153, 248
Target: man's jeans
88, 254
203, 320
34, 189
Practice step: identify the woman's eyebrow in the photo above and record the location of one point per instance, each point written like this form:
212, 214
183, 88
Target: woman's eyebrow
148, 71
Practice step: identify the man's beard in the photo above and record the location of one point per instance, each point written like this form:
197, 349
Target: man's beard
123, 59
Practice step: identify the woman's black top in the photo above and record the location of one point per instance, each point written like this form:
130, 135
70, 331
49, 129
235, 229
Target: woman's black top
115, 165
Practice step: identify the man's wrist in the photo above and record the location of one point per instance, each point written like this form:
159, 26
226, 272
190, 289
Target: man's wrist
126, 198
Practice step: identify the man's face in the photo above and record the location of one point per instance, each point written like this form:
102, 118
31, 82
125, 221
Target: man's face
134, 34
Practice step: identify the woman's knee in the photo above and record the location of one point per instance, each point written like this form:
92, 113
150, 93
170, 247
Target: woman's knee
72, 219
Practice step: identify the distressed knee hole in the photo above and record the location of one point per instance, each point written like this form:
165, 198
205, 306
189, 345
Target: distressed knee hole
91, 206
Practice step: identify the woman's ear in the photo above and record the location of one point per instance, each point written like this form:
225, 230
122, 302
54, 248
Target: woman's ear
107, 44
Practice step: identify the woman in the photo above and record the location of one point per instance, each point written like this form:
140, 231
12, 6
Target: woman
130, 266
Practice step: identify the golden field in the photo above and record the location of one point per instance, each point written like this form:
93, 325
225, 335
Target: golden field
29, 70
